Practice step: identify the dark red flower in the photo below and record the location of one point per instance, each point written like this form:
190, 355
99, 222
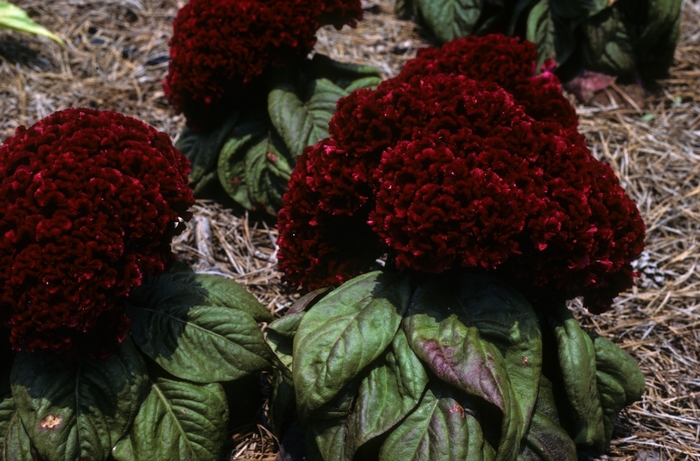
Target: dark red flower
91, 201
442, 171
219, 46
503, 60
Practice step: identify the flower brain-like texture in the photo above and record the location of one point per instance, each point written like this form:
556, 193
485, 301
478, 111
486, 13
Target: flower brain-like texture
220, 45
91, 201
443, 171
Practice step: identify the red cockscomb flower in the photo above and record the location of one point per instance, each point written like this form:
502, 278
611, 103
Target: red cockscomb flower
503, 60
443, 171
220, 45
90, 203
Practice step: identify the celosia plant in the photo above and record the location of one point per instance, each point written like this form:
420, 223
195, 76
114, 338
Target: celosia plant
253, 100
452, 170
487, 213
90, 203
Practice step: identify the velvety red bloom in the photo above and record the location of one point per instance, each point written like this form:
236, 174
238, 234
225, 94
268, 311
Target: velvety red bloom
91, 201
503, 60
443, 171
219, 46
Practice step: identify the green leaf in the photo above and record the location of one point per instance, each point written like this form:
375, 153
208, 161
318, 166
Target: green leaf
450, 19
519, 8
343, 333
178, 421
78, 410
540, 31
390, 391
507, 320
347, 76
7, 411
301, 116
658, 38
17, 446
281, 402
175, 323
329, 435
577, 10
443, 337
444, 427
255, 165
14, 18
607, 43
619, 380
202, 149
577, 360
545, 439
225, 292
279, 336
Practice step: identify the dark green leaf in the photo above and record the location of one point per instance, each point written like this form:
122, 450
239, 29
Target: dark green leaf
546, 440
201, 343
658, 38
343, 74
444, 427
578, 9
392, 389
7, 411
178, 421
225, 292
607, 43
507, 320
301, 116
202, 149
450, 19
16, 445
281, 401
343, 333
279, 336
78, 410
329, 435
619, 380
254, 164
577, 361
520, 7
540, 31
442, 336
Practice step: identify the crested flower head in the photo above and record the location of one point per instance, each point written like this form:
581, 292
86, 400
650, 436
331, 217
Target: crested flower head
91, 201
219, 46
443, 170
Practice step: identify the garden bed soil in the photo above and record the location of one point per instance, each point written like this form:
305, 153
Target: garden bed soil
116, 56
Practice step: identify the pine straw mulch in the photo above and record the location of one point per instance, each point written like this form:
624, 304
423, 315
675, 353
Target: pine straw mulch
116, 57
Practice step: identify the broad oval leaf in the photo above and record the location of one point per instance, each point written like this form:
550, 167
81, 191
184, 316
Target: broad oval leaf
507, 320
225, 292
450, 19
343, 333
444, 427
577, 360
392, 389
7, 411
200, 343
619, 380
178, 421
329, 435
78, 410
443, 337
607, 43
301, 116
16, 444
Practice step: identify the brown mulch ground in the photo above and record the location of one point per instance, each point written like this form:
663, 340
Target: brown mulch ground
116, 57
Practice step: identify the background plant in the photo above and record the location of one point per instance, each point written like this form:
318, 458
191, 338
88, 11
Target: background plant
622, 38
112, 358
14, 18
253, 100
487, 214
